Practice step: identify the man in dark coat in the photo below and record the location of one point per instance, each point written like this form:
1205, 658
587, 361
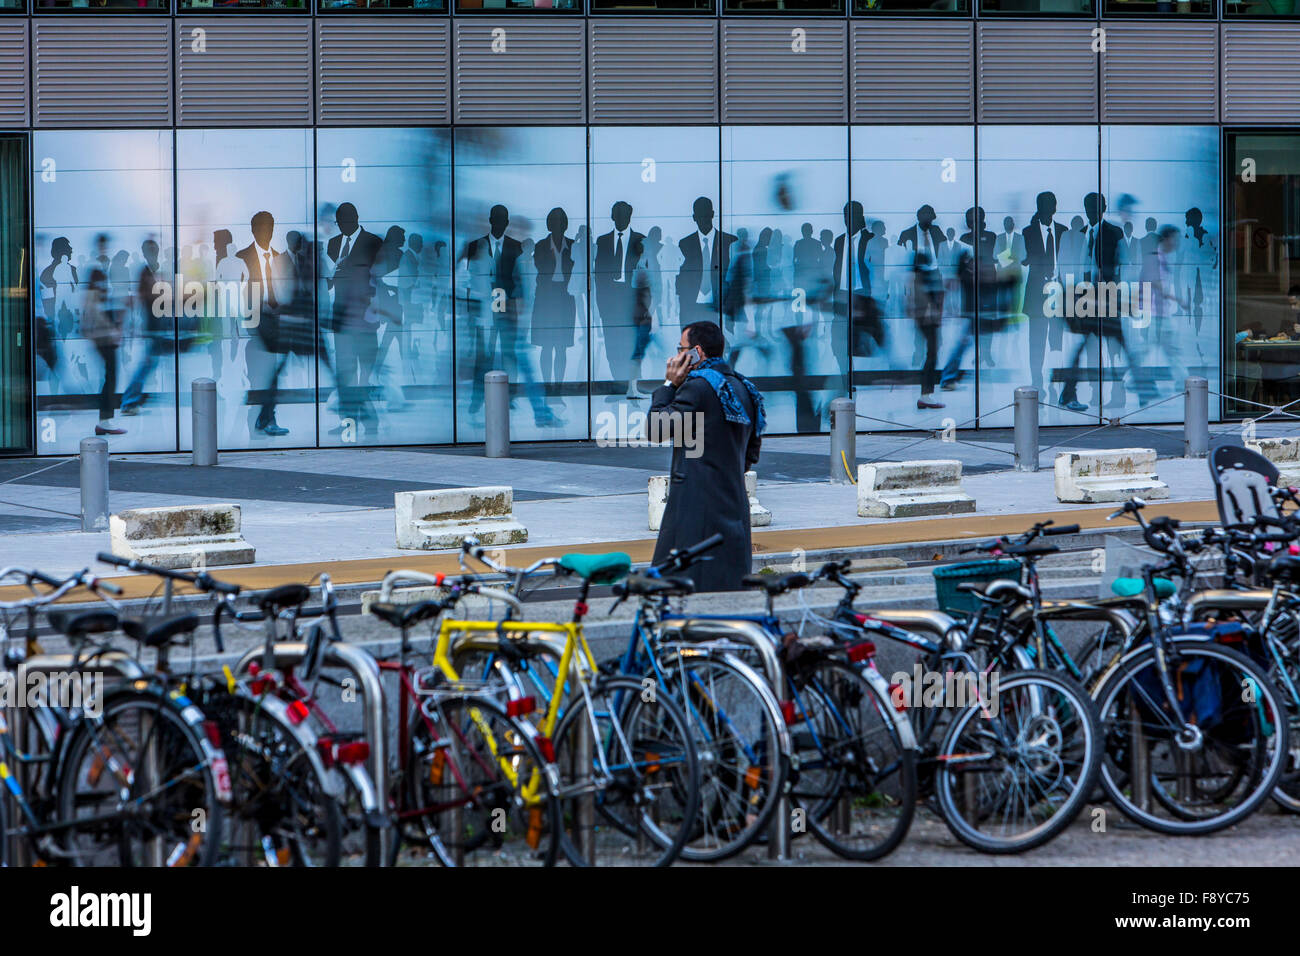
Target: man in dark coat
714, 418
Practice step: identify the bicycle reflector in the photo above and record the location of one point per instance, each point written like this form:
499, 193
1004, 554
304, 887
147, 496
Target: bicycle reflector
861, 651
788, 712
353, 752
213, 732
520, 706
547, 747
298, 712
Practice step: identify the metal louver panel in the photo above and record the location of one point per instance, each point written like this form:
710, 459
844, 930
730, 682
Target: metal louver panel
13, 72
1261, 72
364, 78
912, 72
508, 71
1160, 72
249, 72
773, 74
101, 71
654, 71
1037, 72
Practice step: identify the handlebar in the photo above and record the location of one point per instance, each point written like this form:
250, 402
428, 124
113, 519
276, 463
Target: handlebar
679, 560
200, 579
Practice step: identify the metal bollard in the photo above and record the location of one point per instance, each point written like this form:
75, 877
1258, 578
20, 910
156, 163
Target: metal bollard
94, 484
496, 415
1196, 418
203, 420
844, 440
1026, 428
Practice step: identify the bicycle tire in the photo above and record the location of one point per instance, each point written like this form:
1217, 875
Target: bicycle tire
1027, 733
282, 812
482, 808
738, 739
676, 789
884, 813
186, 830
1263, 779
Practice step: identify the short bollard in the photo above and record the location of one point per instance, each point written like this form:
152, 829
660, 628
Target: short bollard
496, 415
1196, 418
94, 484
844, 440
203, 420
1026, 428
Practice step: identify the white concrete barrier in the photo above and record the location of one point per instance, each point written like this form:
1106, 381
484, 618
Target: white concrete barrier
184, 536
1110, 474
1284, 453
657, 491
432, 520
912, 489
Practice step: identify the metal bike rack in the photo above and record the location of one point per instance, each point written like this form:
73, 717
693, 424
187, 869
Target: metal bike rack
122, 666
1222, 599
699, 630
939, 624
362, 665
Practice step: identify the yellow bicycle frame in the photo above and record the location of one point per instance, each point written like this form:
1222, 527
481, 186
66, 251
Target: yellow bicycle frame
575, 643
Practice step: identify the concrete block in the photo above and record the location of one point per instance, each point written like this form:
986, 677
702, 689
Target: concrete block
184, 536
433, 520
912, 489
1282, 452
657, 491
1108, 475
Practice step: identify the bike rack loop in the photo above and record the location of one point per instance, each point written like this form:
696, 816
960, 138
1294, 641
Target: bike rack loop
700, 630
122, 665
363, 666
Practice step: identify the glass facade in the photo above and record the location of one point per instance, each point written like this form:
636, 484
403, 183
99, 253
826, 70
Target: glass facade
1021, 8
1261, 335
104, 268
354, 285
244, 237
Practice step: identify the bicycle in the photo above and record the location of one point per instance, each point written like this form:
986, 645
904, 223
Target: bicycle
1009, 764
628, 764
139, 779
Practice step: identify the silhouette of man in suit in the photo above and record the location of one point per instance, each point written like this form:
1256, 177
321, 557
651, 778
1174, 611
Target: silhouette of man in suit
356, 339
924, 235
1104, 258
614, 266
270, 289
857, 316
706, 253
1042, 244
495, 290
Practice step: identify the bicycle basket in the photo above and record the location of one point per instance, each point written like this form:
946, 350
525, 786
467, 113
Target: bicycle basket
948, 576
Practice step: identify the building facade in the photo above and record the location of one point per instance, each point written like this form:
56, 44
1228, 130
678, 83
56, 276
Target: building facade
346, 215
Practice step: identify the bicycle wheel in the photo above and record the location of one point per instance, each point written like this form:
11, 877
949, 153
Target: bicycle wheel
282, 812
630, 791
139, 786
1284, 634
1015, 770
4, 820
856, 782
736, 723
478, 791
1173, 784
361, 835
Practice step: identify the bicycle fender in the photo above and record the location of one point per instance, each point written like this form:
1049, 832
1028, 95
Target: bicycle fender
769, 700
906, 734
359, 777
278, 711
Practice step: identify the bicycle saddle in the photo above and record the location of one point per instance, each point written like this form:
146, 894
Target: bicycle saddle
775, 584
283, 597
76, 624
404, 615
159, 630
598, 568
999, 592
1134, 587
658, 587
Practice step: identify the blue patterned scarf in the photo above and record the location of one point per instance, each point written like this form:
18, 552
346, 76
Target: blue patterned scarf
732, 410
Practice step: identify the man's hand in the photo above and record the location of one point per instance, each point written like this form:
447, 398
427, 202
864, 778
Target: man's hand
677, 368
